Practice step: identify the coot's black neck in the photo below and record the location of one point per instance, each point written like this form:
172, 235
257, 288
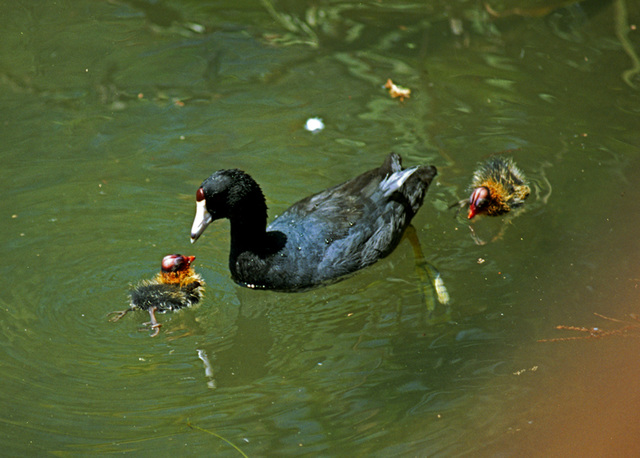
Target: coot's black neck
248, 233
248, 218
252, 247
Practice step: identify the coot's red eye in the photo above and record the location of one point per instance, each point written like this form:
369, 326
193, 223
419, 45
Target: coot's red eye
199, 194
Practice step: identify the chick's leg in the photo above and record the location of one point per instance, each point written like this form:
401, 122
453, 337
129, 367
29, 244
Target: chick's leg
118, 314
153, 323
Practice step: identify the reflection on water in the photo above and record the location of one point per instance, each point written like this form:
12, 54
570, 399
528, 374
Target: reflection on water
116, 111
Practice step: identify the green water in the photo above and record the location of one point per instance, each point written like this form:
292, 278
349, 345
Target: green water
114, 112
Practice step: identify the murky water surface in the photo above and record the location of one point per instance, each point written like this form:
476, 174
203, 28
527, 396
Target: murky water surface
115, 111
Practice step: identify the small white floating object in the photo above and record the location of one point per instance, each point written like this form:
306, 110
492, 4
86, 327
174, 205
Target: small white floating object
208, 369
314, 125
441, 290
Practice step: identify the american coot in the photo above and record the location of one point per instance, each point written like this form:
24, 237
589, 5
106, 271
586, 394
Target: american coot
497, 187
318, 239
176, 286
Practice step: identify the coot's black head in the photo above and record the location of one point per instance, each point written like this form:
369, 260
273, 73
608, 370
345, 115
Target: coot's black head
176, 262
226, 194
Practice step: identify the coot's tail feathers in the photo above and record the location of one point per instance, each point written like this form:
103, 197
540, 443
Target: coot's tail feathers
392, 164
426, 174
416, 180
394, 181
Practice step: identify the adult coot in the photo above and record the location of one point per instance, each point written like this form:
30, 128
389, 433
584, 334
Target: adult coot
318, 239
497, 187
176, 286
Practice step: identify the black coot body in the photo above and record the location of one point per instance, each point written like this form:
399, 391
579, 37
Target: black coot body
322, 237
